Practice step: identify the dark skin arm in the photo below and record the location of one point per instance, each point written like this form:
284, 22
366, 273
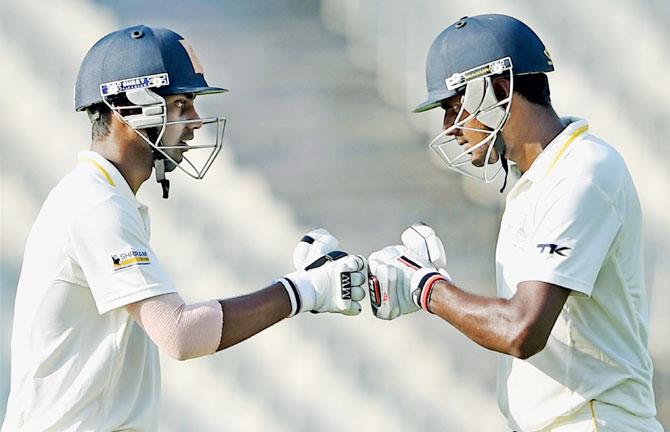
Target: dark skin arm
249, 314
519, 326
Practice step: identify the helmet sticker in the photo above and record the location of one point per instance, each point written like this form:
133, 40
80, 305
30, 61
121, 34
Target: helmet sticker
493, 68
149, 81
195, 61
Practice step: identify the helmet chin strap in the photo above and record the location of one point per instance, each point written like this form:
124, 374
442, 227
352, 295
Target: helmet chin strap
159, 167
499, 145
162, 166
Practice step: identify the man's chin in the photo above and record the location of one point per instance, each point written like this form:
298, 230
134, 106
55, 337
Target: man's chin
169, 165
477, 162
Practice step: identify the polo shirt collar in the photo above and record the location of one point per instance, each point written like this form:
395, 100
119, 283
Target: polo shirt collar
109, 173
555, 150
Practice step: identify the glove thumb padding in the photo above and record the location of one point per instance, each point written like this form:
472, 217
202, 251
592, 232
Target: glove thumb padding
422, 240
313, 245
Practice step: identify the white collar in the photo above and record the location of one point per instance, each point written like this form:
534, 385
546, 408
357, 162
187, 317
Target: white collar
106, 170
554, 151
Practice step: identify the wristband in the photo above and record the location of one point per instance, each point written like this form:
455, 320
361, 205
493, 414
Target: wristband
293, 295
299, 286
428, 282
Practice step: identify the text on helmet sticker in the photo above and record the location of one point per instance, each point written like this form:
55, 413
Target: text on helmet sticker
148, 81
495, 67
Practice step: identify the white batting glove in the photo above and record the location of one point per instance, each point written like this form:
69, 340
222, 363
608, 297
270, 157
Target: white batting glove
401, 277
325, 280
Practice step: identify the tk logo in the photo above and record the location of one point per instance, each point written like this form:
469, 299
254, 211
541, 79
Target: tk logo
553, 248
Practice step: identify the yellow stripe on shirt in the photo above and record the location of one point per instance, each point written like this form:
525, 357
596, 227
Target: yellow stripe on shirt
100, 168
133, 260
593, 416
574, 135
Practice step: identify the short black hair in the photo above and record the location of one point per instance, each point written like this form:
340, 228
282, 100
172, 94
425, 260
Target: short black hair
100, 115
101, 118
534, 88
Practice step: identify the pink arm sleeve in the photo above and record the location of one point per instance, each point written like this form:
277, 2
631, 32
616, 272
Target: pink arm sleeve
182, 331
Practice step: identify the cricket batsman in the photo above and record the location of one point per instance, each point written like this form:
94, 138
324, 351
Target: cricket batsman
571, 316
94, 304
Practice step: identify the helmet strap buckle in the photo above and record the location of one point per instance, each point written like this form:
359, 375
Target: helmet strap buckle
159, 167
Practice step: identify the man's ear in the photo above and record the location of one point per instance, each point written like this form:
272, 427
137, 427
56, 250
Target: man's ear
118, 125
122, 129
501, 87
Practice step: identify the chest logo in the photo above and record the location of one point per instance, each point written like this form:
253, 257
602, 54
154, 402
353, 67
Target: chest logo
553, 248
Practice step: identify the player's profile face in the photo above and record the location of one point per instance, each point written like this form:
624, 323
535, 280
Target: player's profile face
180, 107
467, 137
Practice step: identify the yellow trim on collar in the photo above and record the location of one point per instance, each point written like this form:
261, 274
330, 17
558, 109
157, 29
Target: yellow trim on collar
100, 168
574, 135
593, 416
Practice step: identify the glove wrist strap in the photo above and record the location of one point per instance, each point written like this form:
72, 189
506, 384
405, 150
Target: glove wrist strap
299, 285
428, 290
293, 295
426, 282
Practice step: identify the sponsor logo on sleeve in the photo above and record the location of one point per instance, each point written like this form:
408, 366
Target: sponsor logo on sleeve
129, 257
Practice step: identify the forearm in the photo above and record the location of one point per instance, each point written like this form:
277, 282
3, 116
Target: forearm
490, 322
249, 314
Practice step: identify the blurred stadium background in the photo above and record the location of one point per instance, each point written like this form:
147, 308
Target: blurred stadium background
320, 134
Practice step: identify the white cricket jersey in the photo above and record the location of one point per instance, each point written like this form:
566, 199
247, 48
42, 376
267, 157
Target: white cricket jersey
574, 220
79, 361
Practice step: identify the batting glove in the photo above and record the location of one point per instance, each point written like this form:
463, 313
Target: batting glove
325, 280
401, 278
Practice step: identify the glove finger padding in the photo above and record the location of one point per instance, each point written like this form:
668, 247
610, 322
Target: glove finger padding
339, 285
313, 245
350, 277
422, 241
358, 278
358, 292
353, 309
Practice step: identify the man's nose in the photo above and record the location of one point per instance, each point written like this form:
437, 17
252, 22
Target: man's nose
449, 122
194, 121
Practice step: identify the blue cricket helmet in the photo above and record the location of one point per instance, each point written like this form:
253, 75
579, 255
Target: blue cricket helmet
479, 40
136, 57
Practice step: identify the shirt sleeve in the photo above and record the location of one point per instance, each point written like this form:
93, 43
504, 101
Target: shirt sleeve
111, 245
575, 226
